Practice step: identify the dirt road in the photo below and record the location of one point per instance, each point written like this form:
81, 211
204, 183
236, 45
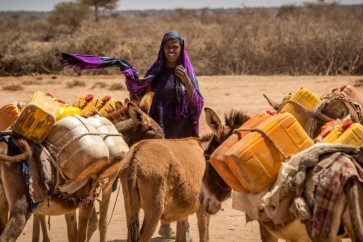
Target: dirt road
221, 93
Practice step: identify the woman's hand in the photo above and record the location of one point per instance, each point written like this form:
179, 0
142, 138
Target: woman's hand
182, 73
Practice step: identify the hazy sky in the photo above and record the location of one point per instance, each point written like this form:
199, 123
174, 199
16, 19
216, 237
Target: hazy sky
46, 5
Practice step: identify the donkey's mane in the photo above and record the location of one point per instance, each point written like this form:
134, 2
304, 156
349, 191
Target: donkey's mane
206, 137
234, 119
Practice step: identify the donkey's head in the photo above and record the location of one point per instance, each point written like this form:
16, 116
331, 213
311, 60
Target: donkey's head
214, 190
132, 120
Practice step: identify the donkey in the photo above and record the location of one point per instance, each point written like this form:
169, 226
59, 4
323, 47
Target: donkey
18, 197
164, 177
215, 191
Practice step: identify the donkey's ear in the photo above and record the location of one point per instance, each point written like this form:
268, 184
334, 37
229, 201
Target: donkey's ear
213, 121
137, 114
146, 101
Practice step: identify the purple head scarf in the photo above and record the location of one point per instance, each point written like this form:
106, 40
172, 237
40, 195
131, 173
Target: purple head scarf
135, 85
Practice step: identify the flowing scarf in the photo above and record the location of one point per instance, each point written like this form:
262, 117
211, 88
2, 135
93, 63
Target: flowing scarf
135, 85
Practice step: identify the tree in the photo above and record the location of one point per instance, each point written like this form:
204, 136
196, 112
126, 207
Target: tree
70, 14
98, 5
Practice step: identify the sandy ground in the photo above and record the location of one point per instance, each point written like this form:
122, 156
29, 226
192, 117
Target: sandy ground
221, 93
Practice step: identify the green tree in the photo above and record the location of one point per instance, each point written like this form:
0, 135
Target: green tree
70, 14
99, 5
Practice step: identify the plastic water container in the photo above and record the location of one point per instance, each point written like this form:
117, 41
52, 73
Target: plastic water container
77, 147
348, 133
306, 99
255, 161
87, 104
116, 144
108, 105
37, 117
65, 111
8, 115
217, 158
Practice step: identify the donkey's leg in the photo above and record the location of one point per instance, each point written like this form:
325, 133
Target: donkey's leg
18, 200
203, 224
36, 228
43, 225
152, 194
39, 222
4, 208
104, 204
92, 224
84, 213
132, 208
71, 221
181, 230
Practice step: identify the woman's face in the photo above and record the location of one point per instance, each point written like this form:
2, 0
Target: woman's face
172, 50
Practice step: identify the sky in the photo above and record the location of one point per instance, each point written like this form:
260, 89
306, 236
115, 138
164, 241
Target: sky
47, 5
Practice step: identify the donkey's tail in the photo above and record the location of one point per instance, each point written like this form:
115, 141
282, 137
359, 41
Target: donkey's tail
132, 198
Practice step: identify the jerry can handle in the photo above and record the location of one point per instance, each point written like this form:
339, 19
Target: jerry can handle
263, 133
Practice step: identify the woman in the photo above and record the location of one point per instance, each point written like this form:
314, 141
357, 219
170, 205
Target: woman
177, 102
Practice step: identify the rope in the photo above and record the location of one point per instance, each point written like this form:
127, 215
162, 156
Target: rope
114, 205
309, 113
266, 136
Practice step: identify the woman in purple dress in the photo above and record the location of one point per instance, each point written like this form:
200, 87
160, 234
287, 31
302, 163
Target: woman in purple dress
177, 102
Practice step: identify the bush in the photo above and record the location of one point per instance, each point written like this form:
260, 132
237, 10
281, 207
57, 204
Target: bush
320, 39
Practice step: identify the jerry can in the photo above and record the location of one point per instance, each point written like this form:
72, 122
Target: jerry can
37, 117
349, 133
90, 107
306, 99
256, 159
217, 158
8, 115
65, 111
108, 105
87, 104
78, 150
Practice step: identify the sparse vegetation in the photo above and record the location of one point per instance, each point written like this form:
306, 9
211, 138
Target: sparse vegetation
32, 82
13, 87
76, 83
116, 86
99, 84
314, 39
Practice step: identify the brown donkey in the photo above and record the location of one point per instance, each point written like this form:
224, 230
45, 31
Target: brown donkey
348, 212
18, 197
164, 178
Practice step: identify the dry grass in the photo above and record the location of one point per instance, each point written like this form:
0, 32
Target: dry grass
13, 87
116, 86
76, 83
99, 85
315, 39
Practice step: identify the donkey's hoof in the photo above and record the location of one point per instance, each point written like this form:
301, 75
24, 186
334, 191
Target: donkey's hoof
166, 231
